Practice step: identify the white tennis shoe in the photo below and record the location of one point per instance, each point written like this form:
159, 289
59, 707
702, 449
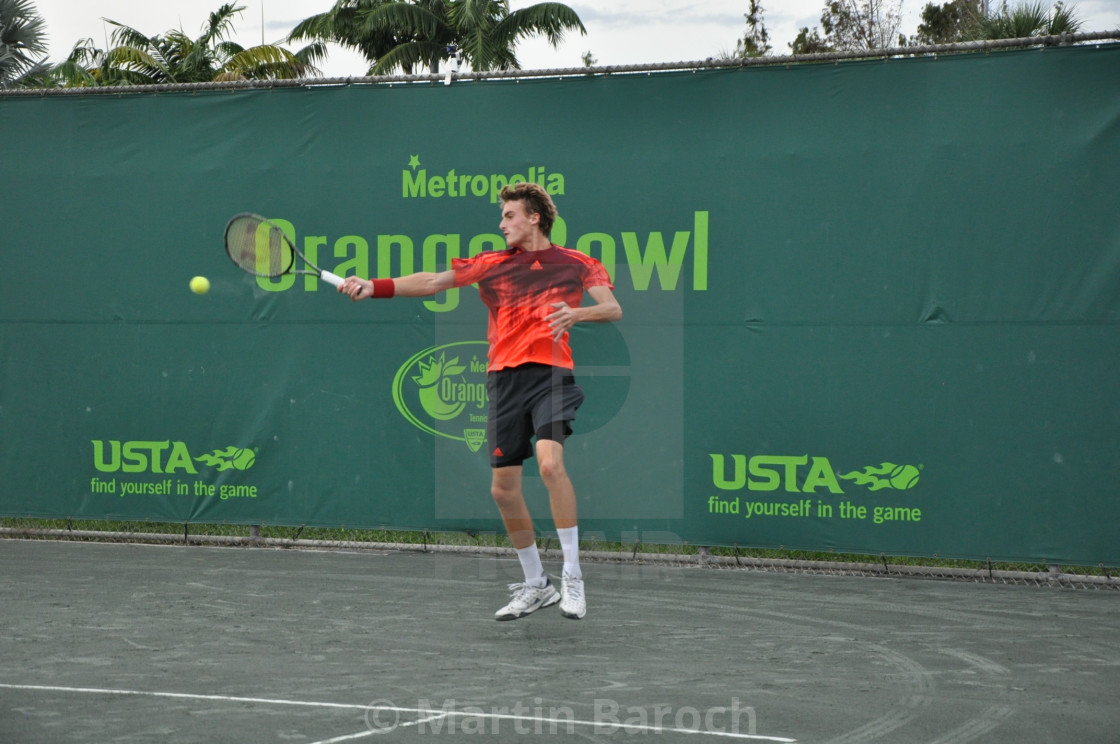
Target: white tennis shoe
572, 602
527, 599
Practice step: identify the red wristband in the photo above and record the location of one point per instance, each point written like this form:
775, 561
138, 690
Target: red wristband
384, 288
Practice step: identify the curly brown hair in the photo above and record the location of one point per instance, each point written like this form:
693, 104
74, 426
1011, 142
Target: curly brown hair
536, 201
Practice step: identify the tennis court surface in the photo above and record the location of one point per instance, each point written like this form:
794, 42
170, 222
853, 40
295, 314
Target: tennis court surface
145, 643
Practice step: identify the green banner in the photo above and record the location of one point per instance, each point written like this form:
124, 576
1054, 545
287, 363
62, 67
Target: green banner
869, 307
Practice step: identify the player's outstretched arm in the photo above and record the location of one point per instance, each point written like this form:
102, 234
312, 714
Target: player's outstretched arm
420, 284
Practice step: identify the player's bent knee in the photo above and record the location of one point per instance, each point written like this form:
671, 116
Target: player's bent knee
502, 495
505, 488
550, 460
551, 470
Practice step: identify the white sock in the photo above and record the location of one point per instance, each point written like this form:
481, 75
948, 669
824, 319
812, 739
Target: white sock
569, 543
531, 564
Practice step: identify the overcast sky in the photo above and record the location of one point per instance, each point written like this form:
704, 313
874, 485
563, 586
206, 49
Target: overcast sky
620, 32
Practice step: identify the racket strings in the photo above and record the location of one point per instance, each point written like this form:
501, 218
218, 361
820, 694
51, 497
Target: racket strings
258, 246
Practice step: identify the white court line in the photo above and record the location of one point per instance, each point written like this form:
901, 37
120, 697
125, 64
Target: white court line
378, 732
189, 696
432, 715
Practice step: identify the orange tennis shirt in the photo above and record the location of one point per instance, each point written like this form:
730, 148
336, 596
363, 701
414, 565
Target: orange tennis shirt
519, 288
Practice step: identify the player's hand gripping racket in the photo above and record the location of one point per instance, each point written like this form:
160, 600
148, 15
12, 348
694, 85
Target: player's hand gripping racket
261, 248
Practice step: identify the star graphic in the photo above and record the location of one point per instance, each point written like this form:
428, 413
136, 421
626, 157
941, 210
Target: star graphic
414, 162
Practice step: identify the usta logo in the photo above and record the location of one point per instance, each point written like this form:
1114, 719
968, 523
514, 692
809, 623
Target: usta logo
143, 456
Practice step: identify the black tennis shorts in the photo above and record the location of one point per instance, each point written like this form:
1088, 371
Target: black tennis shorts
526, 401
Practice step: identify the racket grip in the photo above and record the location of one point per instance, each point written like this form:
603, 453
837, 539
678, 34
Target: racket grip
332, 279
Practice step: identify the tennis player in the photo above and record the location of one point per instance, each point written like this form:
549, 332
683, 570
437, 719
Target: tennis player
534, 290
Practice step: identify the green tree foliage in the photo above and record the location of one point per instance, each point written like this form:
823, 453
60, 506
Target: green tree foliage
853, 26
412, 34
964, 20
947, 23
346, 24
174, 57
809, 42
756, 41
1023, 21
861, 25
23, 45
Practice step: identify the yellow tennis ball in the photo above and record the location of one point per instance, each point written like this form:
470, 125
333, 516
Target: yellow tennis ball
200, 285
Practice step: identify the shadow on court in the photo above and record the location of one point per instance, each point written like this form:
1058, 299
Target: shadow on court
139, 643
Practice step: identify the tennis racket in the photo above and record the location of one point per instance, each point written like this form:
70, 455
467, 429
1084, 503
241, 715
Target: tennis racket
261, 248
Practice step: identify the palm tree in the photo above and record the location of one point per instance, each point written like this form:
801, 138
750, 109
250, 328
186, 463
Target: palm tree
1023, 21
345, 24
23, 44
424, 25
136, 59
408, 34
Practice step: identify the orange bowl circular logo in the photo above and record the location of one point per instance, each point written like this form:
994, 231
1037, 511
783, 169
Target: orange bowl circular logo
442, 390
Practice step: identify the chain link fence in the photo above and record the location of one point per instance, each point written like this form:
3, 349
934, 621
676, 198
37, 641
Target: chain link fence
985, 46
1100, 577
